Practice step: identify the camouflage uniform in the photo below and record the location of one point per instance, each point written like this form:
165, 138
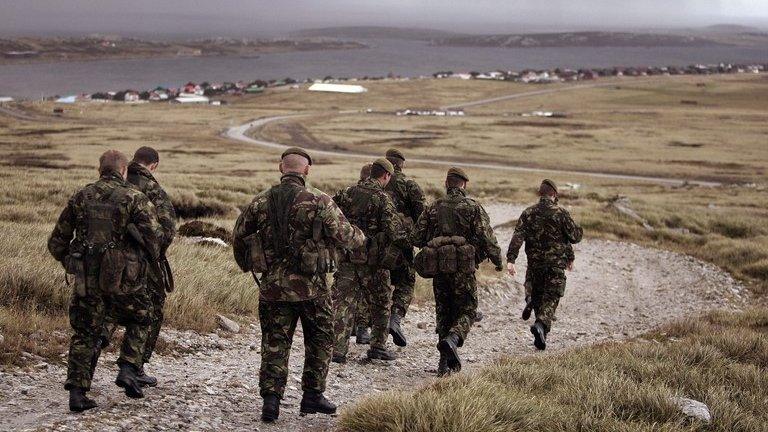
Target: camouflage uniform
409, 201
456, 294
286, 294
378, 215
91, 301
143, 180
548, 232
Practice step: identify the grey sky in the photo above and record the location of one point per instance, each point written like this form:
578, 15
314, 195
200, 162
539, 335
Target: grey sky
258, 17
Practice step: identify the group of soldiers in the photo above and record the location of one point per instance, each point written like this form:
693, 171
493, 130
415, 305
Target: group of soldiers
114, 233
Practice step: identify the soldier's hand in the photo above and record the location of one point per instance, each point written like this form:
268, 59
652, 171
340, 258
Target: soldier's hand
511, 269
570, 266
499, 267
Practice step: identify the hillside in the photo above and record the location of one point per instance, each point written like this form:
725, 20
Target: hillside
577, 39
376, 32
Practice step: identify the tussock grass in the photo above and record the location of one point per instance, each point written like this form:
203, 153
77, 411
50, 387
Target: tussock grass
720, 359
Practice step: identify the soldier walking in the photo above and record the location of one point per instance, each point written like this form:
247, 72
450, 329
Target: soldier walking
455, 235
160, 279
409, 202
548, 232
371, 209
288, 234
104, 237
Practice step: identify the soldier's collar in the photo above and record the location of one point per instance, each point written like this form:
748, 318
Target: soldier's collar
294, 178
140, 169
456, 191
548, 200
372, 183
112, 175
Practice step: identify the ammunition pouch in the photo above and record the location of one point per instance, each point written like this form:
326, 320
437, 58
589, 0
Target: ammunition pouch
74, 265
316, 259
255, 256
382, 253
134, 273
359, 255
446, 255
425, 263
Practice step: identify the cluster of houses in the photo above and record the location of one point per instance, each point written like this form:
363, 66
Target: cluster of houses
430, 112
561, 75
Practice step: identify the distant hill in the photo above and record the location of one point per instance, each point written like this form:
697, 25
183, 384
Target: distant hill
578, 39
730, 28
374, 32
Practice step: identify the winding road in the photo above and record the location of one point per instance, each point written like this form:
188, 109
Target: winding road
241, 133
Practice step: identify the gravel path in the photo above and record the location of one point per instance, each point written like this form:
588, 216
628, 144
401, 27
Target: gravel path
617, 290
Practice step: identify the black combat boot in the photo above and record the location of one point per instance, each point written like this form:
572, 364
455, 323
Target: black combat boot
539, 335
442, 366
528, 309
362, 336
78, 401
478, 317
449, 349
128, 380
314, 402
270, 410
338, 358
381, 354
394, 329
145, 380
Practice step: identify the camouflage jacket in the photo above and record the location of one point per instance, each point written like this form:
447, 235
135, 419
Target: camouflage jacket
283, 282
406, 194
548, 232
144, 181
467, 219
69, 234
371, 209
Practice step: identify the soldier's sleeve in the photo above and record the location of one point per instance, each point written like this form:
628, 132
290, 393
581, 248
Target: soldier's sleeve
572, 230
393, 224
484, 231
336, 226
166, 214
518, 238
63, 232
416, 198
143, 215
247, 223
421, 231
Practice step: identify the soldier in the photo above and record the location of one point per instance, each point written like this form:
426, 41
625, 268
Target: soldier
460, 223
288, 234
370, 208
409, 201
103, 237
548, 232
348, 300
160, 279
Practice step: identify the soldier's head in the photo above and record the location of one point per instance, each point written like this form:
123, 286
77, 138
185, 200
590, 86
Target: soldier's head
548, 188
382, 170
113, 161
295, 161
396, 157
456, 178
365, 171
147, 157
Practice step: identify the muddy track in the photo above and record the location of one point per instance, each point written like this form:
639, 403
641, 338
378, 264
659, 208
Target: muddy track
617, 291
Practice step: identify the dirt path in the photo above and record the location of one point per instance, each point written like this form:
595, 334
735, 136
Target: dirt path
618, 290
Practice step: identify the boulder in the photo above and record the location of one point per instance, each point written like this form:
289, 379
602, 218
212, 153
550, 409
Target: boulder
227, 324
202, 229
622, 205
693, 409
206, 241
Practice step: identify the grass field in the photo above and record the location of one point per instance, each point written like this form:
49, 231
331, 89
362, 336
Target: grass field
638, 128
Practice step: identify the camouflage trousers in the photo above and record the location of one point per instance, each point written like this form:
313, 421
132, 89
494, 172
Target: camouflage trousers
347, 294
547, 287
157, 295
455, 304
403, 278
278, 323
88, 318
378, 295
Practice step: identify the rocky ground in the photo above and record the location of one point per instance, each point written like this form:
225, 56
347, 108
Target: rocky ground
616, 291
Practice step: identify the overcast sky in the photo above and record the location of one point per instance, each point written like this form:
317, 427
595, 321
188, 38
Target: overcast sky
258, 17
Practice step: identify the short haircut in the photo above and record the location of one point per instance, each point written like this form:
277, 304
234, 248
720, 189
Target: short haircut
455, 181
378, 171
112, 161
547, 190
294, 163
365, 171
146, 156
395, 161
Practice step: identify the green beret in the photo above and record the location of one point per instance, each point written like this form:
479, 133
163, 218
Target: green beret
458, 172
550, 183
297, 151
385, 164
395, 153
